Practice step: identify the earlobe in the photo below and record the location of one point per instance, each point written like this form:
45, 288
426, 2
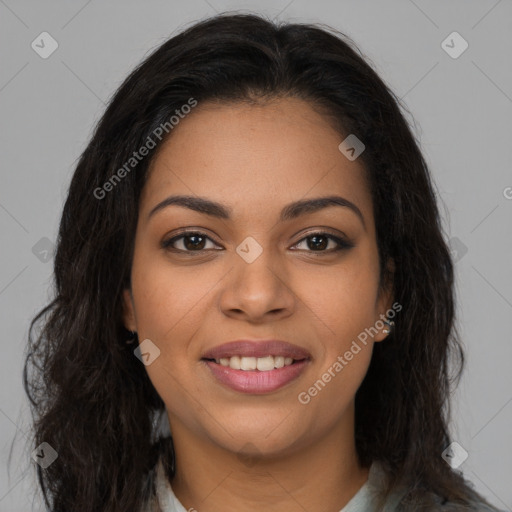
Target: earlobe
386, 328
128, 311
385, 303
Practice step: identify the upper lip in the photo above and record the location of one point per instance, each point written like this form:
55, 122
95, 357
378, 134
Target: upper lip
257, 348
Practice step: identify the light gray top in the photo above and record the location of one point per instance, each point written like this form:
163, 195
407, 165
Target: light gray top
365, 500
362, 501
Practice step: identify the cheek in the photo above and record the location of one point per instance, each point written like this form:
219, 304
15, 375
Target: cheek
168, 305
168, 299
342, 298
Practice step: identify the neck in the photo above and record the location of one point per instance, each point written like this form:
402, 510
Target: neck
317, 476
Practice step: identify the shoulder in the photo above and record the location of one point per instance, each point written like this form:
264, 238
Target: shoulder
406, 498
425, 501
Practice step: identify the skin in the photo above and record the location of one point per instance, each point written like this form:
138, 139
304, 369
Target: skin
237, 451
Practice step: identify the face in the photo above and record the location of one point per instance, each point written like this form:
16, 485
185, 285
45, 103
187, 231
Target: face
309, 277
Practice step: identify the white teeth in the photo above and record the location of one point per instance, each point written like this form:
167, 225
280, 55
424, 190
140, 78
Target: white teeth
248, 363
263, 364
234, 362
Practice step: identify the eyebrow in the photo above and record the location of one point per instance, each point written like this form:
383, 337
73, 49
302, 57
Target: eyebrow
289, 212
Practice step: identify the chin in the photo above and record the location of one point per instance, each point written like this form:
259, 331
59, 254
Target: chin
254, 439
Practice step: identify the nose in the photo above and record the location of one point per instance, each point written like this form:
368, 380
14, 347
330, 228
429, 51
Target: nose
258, 291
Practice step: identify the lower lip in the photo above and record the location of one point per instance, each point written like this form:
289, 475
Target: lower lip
255, 381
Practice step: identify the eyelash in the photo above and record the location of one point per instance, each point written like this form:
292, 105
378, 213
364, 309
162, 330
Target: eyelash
342, 244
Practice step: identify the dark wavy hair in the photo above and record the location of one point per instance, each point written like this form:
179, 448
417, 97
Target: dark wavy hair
93, 401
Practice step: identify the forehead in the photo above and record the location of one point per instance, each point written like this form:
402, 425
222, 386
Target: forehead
252, 156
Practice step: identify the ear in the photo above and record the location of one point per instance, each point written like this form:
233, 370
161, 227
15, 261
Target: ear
129, 311
385, 300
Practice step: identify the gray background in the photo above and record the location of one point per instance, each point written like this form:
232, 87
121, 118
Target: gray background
462, 110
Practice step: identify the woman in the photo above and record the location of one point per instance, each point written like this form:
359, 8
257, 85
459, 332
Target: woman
250, 250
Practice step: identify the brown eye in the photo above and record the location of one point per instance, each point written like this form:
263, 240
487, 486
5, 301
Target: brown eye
319, 242
190, 241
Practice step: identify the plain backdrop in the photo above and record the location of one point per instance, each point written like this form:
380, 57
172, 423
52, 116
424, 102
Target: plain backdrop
461, 105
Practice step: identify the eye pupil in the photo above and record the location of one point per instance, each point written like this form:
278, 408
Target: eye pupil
315, 244
193, 245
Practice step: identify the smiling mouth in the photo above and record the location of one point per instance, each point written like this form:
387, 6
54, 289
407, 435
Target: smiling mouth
256, 375
259, 364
